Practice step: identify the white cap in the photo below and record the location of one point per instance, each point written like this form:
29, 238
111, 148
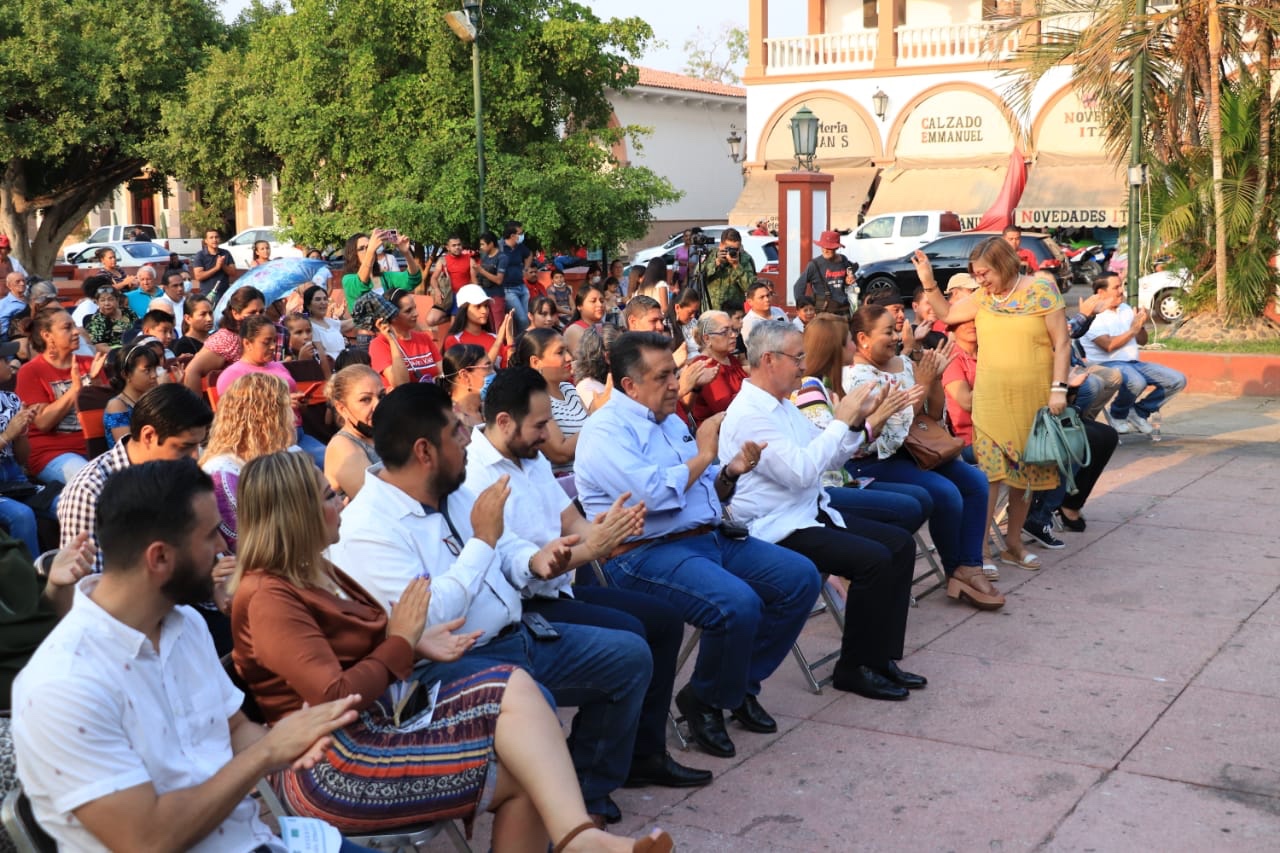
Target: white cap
471, 294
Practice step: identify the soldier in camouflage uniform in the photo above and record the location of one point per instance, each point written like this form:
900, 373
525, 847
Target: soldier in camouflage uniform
729, 272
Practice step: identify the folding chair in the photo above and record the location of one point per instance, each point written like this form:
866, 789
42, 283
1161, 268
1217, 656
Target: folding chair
928, 552
19, 821
90, 405
410, 838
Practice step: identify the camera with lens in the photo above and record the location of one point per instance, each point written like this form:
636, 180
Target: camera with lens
732, 251
702, 240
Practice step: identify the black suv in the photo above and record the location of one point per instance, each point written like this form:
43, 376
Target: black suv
950, 255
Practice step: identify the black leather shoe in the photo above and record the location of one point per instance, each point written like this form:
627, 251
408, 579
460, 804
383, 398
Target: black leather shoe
754, 718
665, 771
900, 677
706, 724
865, 681
607, 812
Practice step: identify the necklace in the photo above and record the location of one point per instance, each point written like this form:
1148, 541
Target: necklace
132, 402
1004, 297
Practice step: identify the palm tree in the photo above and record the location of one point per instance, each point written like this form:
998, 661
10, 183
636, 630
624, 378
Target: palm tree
1189, 46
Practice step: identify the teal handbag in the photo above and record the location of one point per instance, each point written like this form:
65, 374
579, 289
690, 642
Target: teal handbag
1058, 440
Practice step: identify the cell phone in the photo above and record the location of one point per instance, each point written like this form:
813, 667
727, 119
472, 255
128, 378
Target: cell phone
391, 235
539, 627
733, 530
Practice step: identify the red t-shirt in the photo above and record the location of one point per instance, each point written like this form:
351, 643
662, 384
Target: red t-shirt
420, 356
459, 269
1028, 257
716, 395
41, 382
963, 366
484, 340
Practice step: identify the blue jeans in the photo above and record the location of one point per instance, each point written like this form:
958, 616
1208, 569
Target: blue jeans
1096, 391
958, 522
518, 301
603, 672
1136, 376
62, 468
750, 598
903, 506
20, 521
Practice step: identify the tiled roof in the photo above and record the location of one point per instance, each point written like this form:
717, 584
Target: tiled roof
670, 80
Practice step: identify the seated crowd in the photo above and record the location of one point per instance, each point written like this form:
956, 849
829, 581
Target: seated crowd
366, 548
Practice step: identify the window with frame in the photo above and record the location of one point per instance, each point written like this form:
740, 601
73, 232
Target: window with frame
914, 226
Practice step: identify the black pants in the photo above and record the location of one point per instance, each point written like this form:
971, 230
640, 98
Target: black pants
645, 615
878, 561
1102, 443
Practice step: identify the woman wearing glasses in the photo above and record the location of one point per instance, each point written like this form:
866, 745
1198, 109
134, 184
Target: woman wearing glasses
467, 369
717, 341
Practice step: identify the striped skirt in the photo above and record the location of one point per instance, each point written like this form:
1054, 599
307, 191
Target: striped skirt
375, 778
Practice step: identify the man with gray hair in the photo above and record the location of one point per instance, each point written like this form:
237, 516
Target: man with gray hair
14, 300
140, 298
784, 502
750, 598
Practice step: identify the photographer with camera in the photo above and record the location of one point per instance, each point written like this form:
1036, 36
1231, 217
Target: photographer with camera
729, 272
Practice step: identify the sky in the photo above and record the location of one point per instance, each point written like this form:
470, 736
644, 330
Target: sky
673, 22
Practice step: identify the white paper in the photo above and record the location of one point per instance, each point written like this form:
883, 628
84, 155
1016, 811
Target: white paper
309, 835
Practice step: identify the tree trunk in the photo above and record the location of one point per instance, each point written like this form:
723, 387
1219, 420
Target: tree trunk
1215, 143
1266, 46
61, 213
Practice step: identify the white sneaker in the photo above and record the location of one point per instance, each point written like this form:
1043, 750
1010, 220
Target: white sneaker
1140, 422
1121, 427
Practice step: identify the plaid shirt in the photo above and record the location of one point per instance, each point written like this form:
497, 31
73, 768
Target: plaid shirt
78, 504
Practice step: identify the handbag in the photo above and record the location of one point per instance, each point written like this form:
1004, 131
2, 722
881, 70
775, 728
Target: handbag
1058, 440
929, 443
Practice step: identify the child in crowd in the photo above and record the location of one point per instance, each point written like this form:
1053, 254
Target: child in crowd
158, 324
136, 371
301, 345
562, 293
806, 310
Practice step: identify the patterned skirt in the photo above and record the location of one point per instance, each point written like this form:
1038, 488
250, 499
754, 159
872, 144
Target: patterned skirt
376, 778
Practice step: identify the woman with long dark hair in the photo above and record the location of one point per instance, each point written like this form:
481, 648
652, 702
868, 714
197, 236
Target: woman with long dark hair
589, 310
362, 271
546, 352
222, 348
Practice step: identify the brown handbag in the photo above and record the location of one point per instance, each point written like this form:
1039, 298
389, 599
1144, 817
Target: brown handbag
929, 443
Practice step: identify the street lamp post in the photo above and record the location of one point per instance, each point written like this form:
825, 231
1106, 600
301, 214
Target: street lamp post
466, 26
804, 136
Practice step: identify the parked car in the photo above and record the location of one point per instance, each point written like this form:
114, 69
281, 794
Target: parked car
125, 234
1164, 293
241, 245
896, 234
950, 255
130, 255
763, 252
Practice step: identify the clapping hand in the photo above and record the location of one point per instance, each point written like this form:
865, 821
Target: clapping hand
695, 374
747, 458
73, 562
610, 528
1089, 304
440, 643
934, 361
486, 513
554, 558
300, 739
409, 615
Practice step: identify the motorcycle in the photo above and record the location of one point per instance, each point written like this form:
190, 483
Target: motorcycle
1087, 262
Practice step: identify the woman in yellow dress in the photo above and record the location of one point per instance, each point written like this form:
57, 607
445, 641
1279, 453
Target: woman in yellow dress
1026, 355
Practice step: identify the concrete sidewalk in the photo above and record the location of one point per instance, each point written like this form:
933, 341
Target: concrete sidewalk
1126, 697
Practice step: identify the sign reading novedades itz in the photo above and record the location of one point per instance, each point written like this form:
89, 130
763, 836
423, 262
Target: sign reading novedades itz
1067, 216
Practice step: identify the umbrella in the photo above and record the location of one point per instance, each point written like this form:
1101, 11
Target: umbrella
275, 279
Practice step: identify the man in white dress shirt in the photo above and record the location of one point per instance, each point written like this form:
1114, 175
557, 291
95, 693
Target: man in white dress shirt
784, 502
760, 307
414, 517
129, 734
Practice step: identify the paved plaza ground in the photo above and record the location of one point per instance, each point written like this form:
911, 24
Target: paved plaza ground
1125, 699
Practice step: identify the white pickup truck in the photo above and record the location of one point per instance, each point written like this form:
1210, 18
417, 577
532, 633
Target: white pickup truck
184, 246
894, 235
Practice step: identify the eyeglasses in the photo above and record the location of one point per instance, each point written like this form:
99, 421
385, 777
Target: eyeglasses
719, 334
799, 359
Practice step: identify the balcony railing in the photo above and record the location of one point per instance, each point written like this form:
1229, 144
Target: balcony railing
917, 46
829, 52
954, 43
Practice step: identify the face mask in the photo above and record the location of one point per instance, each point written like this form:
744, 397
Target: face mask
484, 389
519, 239
364, 429
595, 279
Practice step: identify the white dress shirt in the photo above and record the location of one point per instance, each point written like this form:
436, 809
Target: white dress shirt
533, 510
98, 710
784, 492
388, 539
1111, 323
750, 319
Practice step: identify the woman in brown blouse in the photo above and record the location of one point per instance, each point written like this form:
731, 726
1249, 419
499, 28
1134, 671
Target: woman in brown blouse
305, 632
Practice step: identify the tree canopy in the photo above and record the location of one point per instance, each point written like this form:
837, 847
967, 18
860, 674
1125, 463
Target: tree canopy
363, 110
716, 56
81, 87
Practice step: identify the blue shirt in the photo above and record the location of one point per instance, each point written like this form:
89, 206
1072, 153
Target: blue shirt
623, 448
512, 265
9, 306
141, 302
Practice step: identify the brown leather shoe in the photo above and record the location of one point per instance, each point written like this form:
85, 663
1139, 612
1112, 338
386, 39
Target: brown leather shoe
969, 584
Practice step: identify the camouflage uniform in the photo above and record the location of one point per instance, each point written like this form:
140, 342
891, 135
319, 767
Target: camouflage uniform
728, 281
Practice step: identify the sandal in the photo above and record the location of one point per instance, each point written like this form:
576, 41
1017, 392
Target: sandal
1029, 561
991, 571
660, 843
970, 584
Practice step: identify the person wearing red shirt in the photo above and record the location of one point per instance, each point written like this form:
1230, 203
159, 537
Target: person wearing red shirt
403, 353
1013, 236
471, 326
717, 339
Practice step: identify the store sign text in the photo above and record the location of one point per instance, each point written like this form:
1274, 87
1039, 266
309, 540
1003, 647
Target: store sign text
936, 129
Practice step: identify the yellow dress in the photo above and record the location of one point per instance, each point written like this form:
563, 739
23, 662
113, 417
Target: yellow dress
1015, 369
